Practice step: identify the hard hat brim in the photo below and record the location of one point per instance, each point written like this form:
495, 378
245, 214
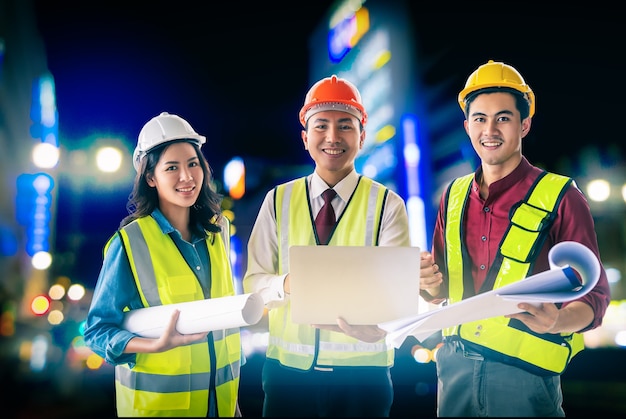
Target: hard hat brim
138, 154
309, 111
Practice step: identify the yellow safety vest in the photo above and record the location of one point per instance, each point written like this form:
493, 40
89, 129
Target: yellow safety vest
177, 382
500, 338
302, 346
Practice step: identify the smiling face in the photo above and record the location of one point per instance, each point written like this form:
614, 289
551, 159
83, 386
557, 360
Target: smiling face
333, 139
178, 177
493, 125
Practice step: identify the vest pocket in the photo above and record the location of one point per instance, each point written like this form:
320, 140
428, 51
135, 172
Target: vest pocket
162, 381
182, 288
162, 401
174, 361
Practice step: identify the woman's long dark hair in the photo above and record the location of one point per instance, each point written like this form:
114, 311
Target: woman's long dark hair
144, 199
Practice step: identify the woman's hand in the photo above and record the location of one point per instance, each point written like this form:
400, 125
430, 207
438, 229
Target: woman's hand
171, 338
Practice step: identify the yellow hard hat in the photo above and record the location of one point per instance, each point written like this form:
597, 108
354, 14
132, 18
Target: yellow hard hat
497, 74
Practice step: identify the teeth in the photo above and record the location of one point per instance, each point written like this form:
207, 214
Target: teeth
491, 144
185, 189
333, 151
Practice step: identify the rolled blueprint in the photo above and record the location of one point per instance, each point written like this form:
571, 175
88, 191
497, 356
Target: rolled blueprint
197, 316
558, 284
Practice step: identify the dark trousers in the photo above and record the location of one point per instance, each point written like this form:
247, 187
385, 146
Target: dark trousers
342, 392
471, 386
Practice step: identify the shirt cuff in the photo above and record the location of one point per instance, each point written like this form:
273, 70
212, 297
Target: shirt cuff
275, 293
430, 299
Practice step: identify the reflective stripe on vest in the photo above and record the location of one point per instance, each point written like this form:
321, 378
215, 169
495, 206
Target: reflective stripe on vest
529, 225
167, 383
299, 346
177, 382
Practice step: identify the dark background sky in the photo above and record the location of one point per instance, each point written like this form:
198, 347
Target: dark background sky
238, 71
239, 74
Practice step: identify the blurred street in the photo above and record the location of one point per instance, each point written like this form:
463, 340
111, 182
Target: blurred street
79, 78
593, 386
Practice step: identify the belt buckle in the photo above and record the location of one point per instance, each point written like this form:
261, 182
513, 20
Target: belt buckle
472, 355
469, 354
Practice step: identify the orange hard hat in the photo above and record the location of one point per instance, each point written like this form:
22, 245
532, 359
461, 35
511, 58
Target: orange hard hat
333, 94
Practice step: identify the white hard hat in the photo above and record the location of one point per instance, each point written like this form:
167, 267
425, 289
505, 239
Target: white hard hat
161, 129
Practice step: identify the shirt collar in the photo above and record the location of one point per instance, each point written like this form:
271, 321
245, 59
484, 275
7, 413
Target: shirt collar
167, 228
520, 172
163, 223
344, 188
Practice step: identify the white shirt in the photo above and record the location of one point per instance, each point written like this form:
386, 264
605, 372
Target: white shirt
261, 275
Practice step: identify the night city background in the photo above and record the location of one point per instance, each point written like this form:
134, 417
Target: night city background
79, 76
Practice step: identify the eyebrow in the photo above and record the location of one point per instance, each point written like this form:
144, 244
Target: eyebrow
177, 162
343, 120
503, 112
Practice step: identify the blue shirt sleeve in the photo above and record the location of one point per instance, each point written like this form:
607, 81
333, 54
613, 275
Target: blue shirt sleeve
114, 293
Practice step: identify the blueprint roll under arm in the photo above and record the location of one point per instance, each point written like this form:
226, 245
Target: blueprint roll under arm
197, 316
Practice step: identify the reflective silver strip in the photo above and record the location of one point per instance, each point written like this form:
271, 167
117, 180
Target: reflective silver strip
158, 383
224, 333
330, 346
284, 238
143, 264
230, 332
354, 347
292, 347
225, 374
225, 224
371, 215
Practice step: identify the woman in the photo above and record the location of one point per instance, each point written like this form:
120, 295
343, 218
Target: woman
171, 248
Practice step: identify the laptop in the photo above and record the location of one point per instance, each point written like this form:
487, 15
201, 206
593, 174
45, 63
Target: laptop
362, 284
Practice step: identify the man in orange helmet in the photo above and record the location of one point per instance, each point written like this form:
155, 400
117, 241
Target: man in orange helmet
334, 370
494, 227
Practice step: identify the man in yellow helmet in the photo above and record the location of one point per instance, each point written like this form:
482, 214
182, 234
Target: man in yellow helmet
336, 370
495, 227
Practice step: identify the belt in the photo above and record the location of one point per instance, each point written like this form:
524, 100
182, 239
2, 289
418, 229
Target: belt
467, 352
344, 368
325, 369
